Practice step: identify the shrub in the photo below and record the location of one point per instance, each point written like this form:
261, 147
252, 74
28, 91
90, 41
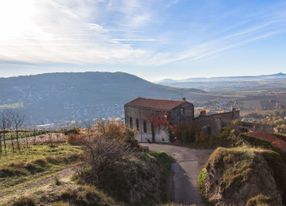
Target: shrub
202, 180
122, 172
24, 201
74, 130
260, 200
102, 156
115, 130
75, 139
278, 168
86, 196
57, 181
232, 172
164, 159
166, 163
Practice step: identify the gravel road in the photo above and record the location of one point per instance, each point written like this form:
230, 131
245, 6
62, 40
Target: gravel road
189, 162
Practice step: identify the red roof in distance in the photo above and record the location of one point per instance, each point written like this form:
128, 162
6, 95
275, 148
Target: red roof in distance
271, 138
156, 104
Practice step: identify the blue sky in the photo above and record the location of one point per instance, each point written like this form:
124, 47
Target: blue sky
153, 39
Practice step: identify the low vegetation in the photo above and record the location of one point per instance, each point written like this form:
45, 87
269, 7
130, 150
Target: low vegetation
116, 165
24, 201
114, 170
244, 176
38, 160
85, 195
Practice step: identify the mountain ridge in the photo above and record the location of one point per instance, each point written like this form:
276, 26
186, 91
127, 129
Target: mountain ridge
65, 96
169, 80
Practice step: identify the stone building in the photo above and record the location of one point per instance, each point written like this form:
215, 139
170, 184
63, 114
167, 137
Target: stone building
212, 124
151, 117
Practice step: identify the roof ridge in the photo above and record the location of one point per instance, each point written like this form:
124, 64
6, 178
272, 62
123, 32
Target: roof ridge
157, 104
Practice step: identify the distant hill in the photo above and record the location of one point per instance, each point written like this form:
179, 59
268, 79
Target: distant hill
230, 83
59, 97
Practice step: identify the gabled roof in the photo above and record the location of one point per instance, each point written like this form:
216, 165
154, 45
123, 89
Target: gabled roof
156, 104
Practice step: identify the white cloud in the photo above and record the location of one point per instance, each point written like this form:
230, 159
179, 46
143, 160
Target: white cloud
108, 32
58, 32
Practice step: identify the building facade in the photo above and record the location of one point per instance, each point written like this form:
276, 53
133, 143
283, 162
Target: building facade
151, 117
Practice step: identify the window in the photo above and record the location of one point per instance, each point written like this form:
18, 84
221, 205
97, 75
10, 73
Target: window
137, 124
182, 110
145, 126
131, 122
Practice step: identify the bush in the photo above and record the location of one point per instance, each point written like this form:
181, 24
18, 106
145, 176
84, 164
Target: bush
85, 196
202, 180
115, 130
278, 168
164, 159
74, 130
165, 162
260, 200
75, 139
122, 172
24, 201
233, 172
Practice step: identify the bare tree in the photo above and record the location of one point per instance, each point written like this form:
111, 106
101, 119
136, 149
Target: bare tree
17, 122
101, 155
5, 124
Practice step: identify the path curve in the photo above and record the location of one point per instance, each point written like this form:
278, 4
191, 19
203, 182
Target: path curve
189, 162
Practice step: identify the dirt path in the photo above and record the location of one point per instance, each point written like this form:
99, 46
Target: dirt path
35, 185
186, 169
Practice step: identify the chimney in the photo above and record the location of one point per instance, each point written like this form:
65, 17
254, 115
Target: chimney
184, 99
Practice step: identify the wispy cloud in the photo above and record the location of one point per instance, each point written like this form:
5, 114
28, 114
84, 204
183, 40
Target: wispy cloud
124, 32
232, 37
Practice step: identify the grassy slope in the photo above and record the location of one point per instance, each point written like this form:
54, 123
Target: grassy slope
37, 152
39, 160
73, 193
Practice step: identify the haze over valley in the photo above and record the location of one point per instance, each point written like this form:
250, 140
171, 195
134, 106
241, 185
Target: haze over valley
62, 98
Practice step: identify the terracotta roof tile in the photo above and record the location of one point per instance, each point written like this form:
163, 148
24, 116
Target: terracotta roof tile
274, 140
156, 104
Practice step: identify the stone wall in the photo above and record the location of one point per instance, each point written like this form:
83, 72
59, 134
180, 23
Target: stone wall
183, 113
142, 115
136, 116
215, 122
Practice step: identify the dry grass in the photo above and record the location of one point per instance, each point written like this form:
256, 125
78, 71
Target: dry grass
16, 168
36, 152
24, 201
240, 163
86, 195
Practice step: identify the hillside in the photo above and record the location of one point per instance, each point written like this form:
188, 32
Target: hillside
57, 97
233, 83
